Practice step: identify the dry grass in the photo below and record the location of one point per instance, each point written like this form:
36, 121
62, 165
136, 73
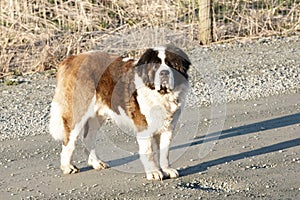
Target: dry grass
247, 18
37, 34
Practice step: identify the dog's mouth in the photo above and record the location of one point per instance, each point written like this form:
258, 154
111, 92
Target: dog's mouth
165, 87
164, 81
164, 90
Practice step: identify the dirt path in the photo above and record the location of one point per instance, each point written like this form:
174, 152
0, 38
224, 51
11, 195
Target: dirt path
256, 156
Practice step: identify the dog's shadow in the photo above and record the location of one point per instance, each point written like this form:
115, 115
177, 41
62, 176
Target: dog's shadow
242, 130
85, 169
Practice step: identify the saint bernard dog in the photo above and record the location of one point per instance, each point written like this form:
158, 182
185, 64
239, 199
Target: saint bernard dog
146, 95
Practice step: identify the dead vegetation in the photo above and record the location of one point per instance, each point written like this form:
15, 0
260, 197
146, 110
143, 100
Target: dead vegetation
37, 34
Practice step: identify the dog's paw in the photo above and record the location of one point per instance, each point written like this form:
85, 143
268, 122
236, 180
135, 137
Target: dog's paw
154, 175
97, 164
70, 169
170, 172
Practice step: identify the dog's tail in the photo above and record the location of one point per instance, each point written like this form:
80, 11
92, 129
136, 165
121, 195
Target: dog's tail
56, 126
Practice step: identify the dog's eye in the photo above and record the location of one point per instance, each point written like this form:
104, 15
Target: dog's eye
169, 63
155, 66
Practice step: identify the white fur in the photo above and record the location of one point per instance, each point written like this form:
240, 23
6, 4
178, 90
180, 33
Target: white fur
158, 110
155, 104
162, 54
93, 159
66, 156
163, 66
148, 99
161, 48
147, 157
95, 162
122, 120
126, 59
56, 126
164, 145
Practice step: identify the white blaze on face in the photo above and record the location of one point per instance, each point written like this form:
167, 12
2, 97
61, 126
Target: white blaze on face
163, 66
126, 59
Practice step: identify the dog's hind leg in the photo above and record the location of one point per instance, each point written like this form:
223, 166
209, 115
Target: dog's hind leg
67, 152
89, 138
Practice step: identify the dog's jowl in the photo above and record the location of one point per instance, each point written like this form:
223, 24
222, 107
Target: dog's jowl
146, 96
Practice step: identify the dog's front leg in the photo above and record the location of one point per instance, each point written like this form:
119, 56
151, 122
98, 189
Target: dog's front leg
164, 146
147, 158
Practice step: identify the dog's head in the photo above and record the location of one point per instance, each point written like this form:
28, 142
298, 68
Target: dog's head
163, 68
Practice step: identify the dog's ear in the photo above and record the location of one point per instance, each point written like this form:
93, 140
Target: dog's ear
150, 56
144, 65
178, 60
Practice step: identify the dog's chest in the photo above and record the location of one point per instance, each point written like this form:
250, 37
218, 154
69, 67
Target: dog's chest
154, 105
158, 110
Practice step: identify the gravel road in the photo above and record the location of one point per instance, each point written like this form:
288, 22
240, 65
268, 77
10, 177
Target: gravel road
250, 90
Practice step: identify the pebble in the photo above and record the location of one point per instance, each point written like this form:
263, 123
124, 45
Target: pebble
240, 82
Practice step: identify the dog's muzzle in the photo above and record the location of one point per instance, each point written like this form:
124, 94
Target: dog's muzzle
164, 80
164, 76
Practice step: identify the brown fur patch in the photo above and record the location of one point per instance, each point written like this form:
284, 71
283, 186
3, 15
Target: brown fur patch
116, 89
66, 77
135, 114
80, 77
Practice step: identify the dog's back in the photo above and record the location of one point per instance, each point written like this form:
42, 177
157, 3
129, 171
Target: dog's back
77, 80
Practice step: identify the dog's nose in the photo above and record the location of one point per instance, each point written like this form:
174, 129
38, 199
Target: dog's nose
164, 73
